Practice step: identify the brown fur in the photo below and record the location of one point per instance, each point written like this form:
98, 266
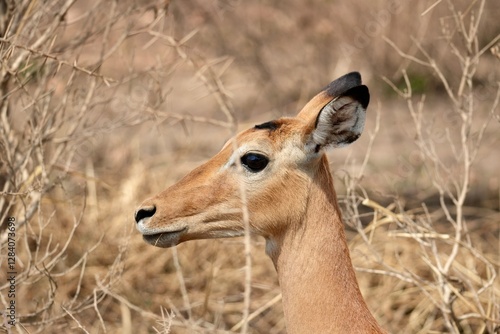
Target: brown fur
291, 203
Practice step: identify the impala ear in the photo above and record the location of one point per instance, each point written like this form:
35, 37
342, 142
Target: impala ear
341, 121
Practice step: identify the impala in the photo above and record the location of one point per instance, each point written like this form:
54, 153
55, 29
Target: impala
291, 202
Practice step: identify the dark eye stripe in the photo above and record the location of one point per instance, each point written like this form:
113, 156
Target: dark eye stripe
254, 162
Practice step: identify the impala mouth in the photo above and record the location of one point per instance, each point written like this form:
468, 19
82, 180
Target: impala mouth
165, 239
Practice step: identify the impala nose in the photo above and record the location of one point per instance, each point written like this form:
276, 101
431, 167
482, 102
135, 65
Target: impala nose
145, 212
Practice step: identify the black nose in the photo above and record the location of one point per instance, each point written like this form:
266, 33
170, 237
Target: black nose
144, 213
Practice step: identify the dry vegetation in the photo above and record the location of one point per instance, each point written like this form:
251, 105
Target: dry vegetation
104, 103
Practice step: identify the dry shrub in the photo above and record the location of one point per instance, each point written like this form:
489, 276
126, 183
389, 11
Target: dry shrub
105, 103
60, 98
452, 282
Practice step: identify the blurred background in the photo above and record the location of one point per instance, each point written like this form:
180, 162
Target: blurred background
105, 103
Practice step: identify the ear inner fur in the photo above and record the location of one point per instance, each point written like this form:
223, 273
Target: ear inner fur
347, 85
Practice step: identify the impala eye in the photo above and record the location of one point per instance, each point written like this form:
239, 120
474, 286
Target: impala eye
254, 162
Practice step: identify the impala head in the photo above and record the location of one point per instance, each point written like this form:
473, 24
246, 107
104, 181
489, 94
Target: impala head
274, 163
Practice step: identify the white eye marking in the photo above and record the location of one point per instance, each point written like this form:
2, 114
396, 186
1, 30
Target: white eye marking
235, 157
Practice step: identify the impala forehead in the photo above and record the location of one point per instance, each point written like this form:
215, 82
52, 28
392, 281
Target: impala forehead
281, 139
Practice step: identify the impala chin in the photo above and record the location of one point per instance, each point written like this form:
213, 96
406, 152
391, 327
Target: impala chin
178, 233
165, 239
161, 237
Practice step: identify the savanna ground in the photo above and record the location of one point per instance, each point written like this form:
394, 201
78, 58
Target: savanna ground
104, 103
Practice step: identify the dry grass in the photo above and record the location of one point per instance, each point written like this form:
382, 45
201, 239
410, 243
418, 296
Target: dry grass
106, 103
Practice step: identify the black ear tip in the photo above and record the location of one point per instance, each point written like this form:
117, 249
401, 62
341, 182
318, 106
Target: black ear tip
354, 76
343, 84
361, 94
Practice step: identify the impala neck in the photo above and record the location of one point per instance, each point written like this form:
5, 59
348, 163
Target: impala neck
317, 279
